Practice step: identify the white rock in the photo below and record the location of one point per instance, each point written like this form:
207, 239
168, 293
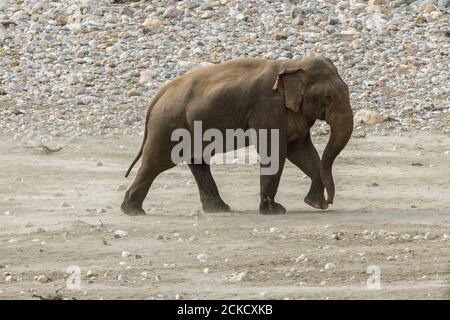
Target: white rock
172, 12
330, 266
42, 278
202, 257
430, 236
120, 234
242, 276
275, 230
91, 273
367, 116
125, 254
122, 278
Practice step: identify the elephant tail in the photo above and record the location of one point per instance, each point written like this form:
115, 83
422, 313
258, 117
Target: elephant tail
147, 117
142, 145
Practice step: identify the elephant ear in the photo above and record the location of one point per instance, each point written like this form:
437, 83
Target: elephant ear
290, 82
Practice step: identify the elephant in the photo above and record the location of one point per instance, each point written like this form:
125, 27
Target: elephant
288, 95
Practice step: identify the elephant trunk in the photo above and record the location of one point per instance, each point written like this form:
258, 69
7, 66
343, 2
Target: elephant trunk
341, 125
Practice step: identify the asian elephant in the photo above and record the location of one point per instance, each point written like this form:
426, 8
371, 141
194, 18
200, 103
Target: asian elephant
288, 95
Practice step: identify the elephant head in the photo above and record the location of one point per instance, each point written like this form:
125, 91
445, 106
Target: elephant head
313, 87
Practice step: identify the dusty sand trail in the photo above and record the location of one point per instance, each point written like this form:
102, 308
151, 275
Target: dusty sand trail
398, 183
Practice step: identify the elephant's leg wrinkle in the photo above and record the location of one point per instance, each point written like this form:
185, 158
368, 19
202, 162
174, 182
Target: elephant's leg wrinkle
303, 154
209, 193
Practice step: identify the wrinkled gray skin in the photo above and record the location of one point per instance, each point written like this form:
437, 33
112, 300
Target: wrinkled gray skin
289, 95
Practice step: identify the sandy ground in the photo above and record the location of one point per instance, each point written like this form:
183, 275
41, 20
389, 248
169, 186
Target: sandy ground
51, 218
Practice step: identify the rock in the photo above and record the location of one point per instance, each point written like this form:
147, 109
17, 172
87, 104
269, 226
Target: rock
133, 93
367, 116
42, 278
275, 230
336, 236
172, 12
443, 4
127, 11
120, 234
332, 20
91, 273
430, 236
152, 24
421, 20
146, 77
330, 266
243, 276
280, 36
121, 278
125, 254
428, 7
202, 257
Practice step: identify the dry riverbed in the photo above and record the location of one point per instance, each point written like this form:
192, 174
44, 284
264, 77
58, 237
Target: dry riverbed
61, 209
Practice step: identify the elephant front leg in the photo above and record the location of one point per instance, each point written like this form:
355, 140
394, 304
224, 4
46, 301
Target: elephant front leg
303, 155
209, 194
271, 175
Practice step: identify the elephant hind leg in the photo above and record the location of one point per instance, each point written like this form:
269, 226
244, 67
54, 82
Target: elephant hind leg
155, 160
209, 193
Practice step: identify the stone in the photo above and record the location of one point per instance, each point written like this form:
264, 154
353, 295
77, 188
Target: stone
367, 116
120, 234
243, 276
430, 236
330, 266
172, 12
202, 257
152, 24
125, 254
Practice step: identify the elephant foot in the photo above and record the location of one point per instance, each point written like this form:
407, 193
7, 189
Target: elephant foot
215, 205
132, 211
316, 201
268, 206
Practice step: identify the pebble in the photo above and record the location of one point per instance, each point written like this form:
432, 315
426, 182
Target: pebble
366, 116
202, 257
430, 236
120, 234
243, 276
121, 278
42, 279
125, 254
91, 273
275, 230
330, 266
